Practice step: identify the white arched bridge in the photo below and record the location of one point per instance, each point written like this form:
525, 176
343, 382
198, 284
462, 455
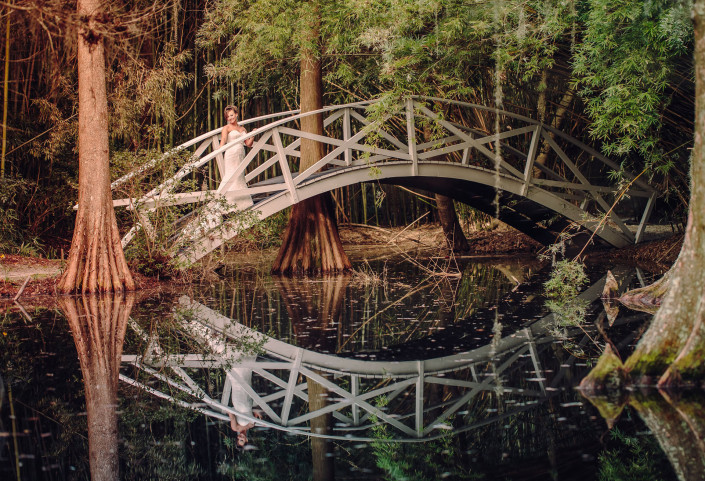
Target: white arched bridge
544, 179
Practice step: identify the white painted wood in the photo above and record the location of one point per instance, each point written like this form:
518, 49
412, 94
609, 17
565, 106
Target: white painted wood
411, 134
607, 208
284, 165
530, 158
347, 155
645, 218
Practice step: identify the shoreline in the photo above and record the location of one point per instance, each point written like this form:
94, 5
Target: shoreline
360, 242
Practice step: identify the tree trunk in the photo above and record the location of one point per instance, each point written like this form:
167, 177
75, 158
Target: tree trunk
648, 298
98, 325
674, 345
311, 242
455, 238
96, 261
314, 308
673, 348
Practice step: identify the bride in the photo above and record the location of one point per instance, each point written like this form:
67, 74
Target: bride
233, 158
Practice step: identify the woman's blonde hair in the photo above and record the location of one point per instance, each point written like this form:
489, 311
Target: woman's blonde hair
229, 108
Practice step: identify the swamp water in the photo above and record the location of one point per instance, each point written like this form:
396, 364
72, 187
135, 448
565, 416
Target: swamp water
406, 370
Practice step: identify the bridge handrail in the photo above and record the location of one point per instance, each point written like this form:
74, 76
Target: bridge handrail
551, 129
290, 115
460, 138
293, 115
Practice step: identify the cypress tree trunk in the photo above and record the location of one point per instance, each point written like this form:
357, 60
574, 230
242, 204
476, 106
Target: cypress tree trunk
96, 261
321, 449
455, 238
311, 242
672, 350
674, 345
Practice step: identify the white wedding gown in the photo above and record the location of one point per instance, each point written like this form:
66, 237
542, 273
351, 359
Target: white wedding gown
215, 210
233, 158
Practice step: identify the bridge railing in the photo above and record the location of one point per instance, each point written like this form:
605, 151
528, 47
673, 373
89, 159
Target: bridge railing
418, 131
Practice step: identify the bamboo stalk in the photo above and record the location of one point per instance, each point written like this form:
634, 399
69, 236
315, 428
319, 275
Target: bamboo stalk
5, 93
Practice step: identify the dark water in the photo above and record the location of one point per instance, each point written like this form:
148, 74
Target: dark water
424, 370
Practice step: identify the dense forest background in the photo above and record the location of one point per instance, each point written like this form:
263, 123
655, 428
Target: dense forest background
616, 74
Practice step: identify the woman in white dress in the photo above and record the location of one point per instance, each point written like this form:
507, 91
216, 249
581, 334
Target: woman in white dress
233, 158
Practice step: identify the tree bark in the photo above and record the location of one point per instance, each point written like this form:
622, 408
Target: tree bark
311, 241
672, 350
96, 260
455, 238
674, 345
679, 427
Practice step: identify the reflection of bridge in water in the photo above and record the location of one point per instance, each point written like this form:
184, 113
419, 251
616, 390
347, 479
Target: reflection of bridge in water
419, 400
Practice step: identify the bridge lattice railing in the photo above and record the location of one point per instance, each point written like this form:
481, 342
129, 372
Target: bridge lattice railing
421, 130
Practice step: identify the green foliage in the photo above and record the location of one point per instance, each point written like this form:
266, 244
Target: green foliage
140, 90
264, 233
445, 48
566, 280
14, 238
263, 40
151, 251
635, 459
628, 59
416, 461
9, 230
562, 288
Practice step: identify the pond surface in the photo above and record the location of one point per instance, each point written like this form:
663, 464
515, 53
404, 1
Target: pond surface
408, 369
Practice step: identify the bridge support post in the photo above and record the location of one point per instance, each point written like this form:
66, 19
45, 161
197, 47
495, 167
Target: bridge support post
346, 135
419, 400
411, 133
645, 218
530, 158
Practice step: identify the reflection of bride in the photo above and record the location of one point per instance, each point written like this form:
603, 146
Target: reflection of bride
233, 158
242, 402
238, 378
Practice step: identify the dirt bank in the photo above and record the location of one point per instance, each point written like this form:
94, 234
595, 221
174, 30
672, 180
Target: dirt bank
361, 242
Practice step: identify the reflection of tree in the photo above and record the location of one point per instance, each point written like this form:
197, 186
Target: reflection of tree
315, 308
677, 424
321, 452
98, 325
679, 427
